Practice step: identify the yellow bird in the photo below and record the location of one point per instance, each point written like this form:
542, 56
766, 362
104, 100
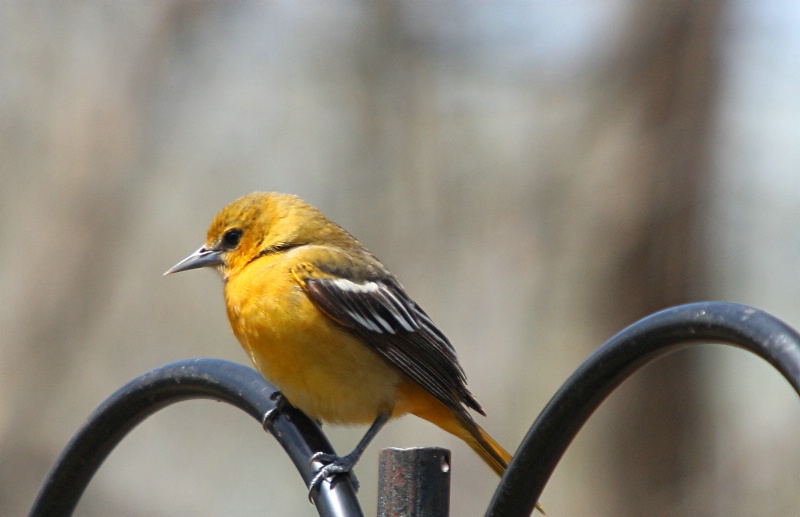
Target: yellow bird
325, 322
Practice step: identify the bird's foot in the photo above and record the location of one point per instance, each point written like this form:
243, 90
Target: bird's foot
270, 416
333, 465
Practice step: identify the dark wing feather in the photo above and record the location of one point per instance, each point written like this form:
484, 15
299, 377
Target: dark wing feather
384, 317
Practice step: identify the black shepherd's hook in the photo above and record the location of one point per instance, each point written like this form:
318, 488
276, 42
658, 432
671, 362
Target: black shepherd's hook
624, 354
190, 379
531, 467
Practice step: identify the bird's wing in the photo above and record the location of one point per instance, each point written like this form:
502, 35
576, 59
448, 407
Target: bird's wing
387, 319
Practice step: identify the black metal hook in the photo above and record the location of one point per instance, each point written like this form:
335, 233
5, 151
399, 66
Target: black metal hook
530, 469
622, 355
183, 380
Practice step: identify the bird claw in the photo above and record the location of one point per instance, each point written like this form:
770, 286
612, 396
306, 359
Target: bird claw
333, 465
330, 459
269, 417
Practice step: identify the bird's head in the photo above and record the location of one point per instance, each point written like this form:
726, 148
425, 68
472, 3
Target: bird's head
255, 225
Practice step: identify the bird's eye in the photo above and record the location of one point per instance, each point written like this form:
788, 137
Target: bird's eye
231, 238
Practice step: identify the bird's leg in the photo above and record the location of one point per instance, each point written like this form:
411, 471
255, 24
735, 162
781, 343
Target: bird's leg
272, 414
341, 464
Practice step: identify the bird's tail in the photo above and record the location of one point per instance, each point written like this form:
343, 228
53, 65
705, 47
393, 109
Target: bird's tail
492, 452
464, 427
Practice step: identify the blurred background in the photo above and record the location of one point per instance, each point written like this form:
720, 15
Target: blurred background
538, 174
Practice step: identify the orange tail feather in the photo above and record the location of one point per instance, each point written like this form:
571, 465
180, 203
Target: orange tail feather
464, 427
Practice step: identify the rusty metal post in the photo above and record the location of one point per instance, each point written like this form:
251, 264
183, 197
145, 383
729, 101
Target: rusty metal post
414, 482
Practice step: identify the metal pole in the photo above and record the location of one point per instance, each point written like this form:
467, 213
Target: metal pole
414, 482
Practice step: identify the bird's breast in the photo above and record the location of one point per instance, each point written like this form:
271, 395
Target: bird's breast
320, 367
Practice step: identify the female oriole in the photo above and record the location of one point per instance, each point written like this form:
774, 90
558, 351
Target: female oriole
326, 323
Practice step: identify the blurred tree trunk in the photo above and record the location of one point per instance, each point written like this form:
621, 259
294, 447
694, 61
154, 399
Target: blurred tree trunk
672, 69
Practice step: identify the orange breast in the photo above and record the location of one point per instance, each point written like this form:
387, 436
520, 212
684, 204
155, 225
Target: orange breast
319, 367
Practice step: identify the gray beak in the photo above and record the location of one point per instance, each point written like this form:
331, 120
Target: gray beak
198, 259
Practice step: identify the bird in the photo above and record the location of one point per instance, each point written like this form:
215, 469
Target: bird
327, 324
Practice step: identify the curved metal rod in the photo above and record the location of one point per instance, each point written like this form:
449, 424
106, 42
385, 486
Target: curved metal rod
632, 348
183, 380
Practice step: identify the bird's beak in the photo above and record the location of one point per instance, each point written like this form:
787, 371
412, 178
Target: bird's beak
200, 258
